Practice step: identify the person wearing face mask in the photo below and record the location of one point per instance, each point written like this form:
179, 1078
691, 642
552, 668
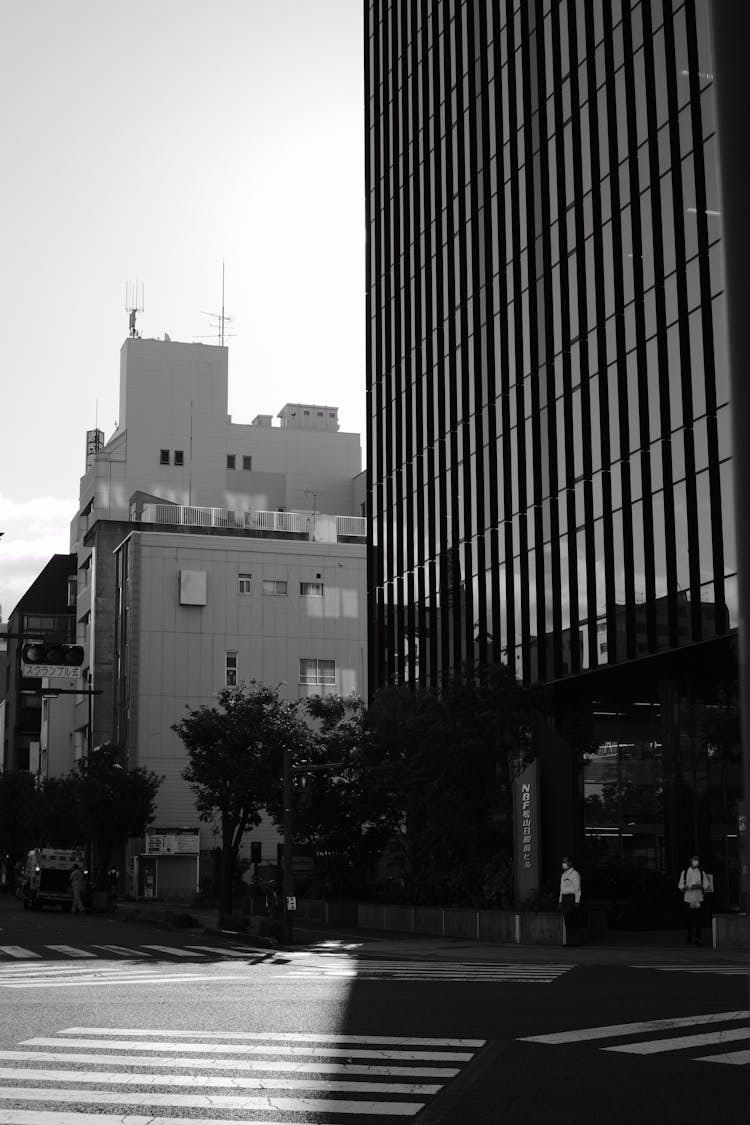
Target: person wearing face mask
693, 884
570, 889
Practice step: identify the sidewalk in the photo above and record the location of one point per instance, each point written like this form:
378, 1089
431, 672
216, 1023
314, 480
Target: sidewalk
653, 947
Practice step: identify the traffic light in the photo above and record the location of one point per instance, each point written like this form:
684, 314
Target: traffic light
42, 658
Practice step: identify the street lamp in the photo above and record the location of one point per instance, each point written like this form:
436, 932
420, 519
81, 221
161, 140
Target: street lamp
288, 873
288, 904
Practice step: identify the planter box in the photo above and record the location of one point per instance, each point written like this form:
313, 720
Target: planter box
544, 927
730, 931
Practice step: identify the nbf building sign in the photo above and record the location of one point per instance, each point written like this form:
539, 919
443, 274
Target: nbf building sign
526, 831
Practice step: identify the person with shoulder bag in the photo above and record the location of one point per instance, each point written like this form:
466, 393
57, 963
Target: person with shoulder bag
694, 884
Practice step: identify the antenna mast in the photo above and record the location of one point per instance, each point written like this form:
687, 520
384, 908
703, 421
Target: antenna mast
221, 319
133, 305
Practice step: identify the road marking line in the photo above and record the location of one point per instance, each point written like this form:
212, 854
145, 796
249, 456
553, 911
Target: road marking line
681, 1042
123, 950
615, 1029
207, 1081
173, 950
728, 970
145, 978
57, 968
256, 1049
233, 1064
222, 951
214, 1101
277, 1036
18, 951
70, 951
737, 1058
73, 1117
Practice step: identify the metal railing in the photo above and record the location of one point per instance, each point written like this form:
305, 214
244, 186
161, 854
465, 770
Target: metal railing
296, 523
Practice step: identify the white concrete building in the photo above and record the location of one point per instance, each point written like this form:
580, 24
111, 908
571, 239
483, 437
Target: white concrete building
211, 551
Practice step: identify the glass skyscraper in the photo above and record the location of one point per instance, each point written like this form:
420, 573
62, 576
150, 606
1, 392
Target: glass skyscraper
549, 455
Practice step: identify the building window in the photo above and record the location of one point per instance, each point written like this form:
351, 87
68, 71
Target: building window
311, 589
231, 459
274, 586
230, 670
72, 591
247, 463
164, 457
179, 456
245, 583
320, 413
321, 672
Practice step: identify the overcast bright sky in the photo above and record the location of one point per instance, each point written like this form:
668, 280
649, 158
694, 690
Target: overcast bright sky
150, 140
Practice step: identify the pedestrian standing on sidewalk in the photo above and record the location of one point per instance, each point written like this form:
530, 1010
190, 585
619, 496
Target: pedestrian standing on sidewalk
693, 884
570, 889
77, 882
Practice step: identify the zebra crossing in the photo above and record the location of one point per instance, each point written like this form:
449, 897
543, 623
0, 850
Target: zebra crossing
67, 966
697, 1034
93, 1076
329, 967
73, 965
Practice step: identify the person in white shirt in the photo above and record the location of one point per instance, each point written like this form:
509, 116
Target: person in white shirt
693, 884
570, 888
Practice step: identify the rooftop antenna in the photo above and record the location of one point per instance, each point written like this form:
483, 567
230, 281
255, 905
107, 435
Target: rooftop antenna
219, 328
133, 305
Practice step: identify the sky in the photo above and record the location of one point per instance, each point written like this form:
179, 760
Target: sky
150, 141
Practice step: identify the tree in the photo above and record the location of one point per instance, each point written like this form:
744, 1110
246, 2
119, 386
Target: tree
336, 811
442, 763
235, 754
59, 817
19, 811
114, 802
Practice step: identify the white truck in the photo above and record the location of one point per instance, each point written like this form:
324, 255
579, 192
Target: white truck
46, 877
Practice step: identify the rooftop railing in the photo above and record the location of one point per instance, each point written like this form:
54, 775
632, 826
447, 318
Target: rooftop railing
317, 526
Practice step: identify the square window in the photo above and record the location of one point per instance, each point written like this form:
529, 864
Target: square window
230, 670
247, 464
274, 586
164, 457
311, 589
179, 456
245, 583
317, 672
231, 459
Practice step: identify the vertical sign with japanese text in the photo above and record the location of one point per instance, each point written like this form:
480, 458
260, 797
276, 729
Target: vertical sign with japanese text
526, 832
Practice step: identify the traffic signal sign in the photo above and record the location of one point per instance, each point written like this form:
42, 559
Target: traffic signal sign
42, 658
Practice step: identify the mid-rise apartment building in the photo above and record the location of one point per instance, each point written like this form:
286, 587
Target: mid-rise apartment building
210, 553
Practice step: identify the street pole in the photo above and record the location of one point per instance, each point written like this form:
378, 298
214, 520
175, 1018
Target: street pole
288, 875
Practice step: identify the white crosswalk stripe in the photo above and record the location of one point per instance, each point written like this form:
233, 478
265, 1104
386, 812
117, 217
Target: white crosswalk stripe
70, 951
17, 951
693, 1031
173, 951
327, 967
92, 1076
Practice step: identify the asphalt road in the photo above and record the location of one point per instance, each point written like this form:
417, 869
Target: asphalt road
105, 1022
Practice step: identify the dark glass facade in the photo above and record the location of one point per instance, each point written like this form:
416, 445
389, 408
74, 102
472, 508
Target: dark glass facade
549, 454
